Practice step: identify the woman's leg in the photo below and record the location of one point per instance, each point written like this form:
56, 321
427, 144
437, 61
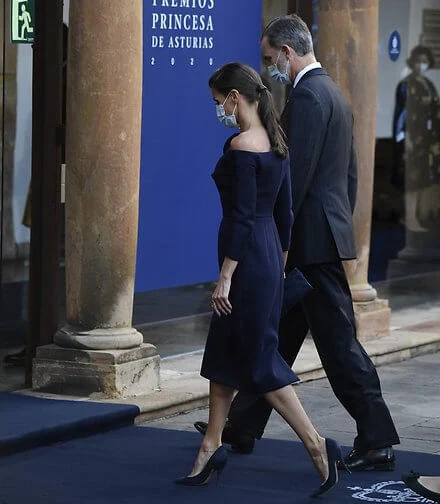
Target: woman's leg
286, 403
220, 398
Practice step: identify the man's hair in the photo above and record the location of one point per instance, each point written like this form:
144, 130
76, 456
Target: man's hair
418, 51
289, 30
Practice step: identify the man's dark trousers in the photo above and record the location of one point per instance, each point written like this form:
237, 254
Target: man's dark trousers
328, 312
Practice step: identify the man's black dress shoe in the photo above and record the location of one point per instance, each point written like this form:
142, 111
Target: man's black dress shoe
372, 460
240, 443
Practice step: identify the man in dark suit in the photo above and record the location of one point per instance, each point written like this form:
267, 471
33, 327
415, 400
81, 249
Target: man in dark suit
318, 123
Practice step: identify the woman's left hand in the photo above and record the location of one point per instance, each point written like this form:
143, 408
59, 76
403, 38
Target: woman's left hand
220, 297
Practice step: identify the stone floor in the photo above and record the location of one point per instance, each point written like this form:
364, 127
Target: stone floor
411, 389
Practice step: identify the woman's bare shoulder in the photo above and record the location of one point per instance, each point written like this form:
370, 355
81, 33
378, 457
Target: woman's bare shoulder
249, 142
243, 141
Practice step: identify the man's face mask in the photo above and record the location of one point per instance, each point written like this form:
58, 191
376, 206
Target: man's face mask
230, 121
421, 67
281, 77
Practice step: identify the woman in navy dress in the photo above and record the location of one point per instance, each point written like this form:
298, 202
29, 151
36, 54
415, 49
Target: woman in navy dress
241, 353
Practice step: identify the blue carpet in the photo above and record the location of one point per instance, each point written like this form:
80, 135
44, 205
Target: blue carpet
137, 465
27, 422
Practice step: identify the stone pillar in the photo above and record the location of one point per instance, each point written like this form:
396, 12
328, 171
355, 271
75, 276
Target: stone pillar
348, 38
98, 350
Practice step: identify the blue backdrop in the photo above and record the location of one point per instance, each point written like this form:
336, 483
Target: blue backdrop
185, 41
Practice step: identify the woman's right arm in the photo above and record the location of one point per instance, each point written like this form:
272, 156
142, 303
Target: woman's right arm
243, 206
241, 226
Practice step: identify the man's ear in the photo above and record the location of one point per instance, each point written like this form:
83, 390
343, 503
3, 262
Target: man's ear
287, 51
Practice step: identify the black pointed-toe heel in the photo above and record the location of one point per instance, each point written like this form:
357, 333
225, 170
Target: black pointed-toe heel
334, 455
215, 464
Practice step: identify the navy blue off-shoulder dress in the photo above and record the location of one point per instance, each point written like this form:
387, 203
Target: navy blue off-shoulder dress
242, 348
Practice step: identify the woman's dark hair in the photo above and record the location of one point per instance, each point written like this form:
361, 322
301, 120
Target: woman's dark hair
248, 83
419, 51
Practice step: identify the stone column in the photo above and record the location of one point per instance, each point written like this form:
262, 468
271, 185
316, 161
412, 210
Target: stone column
98, 350
348, 38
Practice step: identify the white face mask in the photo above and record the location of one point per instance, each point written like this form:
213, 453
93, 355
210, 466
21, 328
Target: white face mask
230, 121
281, 77
422, 67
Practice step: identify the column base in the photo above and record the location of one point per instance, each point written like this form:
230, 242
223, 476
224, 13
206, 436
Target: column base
372, 319
420, 255
96, 373
363, 293
98, 339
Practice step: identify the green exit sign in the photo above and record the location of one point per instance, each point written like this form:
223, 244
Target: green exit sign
22, 21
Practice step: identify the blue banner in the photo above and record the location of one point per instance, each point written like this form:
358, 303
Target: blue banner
185, 41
